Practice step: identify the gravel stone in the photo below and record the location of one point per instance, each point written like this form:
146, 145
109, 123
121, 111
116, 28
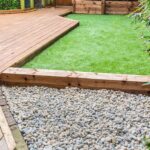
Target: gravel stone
79, 119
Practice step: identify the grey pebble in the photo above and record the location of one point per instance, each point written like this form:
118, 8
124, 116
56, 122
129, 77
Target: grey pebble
73, 118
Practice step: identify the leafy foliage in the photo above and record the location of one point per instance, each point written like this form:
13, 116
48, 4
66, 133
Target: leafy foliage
147, 84
145, 10
147, 143
143, 16
9, 4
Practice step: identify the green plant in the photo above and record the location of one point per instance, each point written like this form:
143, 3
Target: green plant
9, 4
146, 141
144, 9
142, 18
146, 84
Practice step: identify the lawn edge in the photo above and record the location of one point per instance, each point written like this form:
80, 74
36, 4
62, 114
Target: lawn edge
87, 80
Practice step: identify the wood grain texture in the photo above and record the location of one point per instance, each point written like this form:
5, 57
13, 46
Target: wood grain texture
3, 144
20, 142
104, 7
16, 11
63, 2
8, 115
88, 7
6, 131
61, 79
28, 34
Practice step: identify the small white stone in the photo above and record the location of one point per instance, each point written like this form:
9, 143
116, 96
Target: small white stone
73, 118
48, 147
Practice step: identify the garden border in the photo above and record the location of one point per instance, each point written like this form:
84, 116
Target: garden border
62, 79
19, 140
105, 6
16, 11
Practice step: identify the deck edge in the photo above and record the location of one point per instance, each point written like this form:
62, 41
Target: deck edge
35, 52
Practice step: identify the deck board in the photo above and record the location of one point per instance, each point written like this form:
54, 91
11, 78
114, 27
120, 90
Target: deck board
7, 142
21, 35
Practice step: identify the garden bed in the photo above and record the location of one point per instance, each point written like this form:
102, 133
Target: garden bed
104, 7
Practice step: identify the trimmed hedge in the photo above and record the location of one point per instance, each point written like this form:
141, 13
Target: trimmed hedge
9, 4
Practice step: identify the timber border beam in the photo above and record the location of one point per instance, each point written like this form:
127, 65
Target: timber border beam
88, 80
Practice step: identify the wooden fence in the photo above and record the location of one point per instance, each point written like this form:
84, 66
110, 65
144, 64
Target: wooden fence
104, 7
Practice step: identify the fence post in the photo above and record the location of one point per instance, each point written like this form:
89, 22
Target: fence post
31, 3
103, 5
74, 5
43, 3
22, 4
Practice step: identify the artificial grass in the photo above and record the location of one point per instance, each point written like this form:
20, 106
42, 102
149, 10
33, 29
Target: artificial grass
102, 43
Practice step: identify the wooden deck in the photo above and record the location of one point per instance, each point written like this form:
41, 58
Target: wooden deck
23, 35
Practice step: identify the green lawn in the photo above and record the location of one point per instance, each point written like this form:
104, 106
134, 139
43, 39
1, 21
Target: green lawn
102, 43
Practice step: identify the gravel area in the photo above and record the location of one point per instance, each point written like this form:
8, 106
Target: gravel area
78, 119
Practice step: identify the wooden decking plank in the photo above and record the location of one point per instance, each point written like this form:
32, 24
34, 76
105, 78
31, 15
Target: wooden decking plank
20, 143
6, 131
27, 35
26, 20
27, 23
7, 19
30, 43
8, 115
2, 102
52, 36
2, 99
1, 134
21, 30
47, 39
17, 22
26, 30
35, 35
41, 12
3, 144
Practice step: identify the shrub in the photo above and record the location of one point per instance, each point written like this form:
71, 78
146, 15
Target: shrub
146, 141
142, 17
9, 4
145, 10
